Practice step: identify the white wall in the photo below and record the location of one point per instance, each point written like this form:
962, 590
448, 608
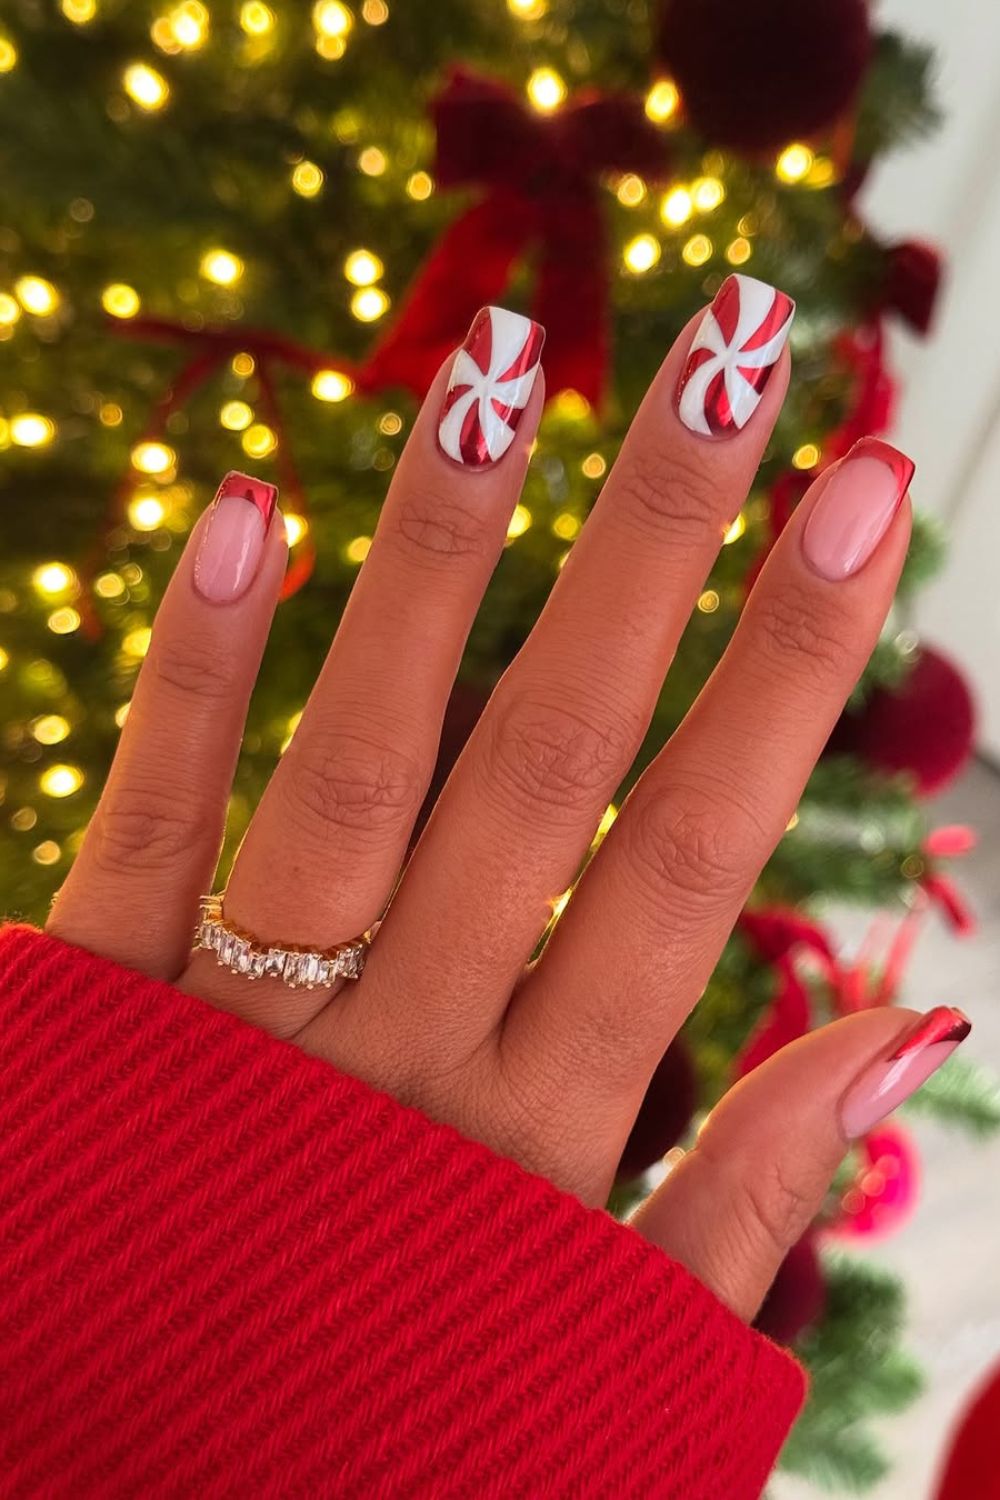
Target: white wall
948, 190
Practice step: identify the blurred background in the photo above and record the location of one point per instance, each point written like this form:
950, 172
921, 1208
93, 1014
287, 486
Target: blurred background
245, 234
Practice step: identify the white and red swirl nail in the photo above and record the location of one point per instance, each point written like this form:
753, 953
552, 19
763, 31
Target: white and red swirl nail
887, 1081
490, 383
736, 347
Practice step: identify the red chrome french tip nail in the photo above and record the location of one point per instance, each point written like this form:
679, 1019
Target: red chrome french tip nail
232, 542
856, 508
736, 347
891, 1079
490, 383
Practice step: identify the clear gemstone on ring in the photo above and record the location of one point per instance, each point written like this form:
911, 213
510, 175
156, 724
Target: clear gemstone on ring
240, 960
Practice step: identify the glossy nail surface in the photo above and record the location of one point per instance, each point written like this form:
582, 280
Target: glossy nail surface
885, 1083
856, 508
731, 358
491, 380
233, 540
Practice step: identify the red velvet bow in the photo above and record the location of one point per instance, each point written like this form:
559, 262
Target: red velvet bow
540, 174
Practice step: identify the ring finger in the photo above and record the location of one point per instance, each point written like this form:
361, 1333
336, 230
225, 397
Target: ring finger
325, 845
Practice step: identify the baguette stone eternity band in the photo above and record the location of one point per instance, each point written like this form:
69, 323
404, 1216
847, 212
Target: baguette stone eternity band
299, 968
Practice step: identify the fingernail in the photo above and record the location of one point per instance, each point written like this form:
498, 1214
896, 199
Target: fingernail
489, 386
734, 351
230, 550
884, 1084
856, 508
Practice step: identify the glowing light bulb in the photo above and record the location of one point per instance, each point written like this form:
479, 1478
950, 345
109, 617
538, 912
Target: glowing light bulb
308, 179
136, 642
296, 527
372, 161
36, 295
63, 621
331, 385
806, 457
46, 853
109, 585
29, 429
222, 267
708, 602
236, 416
189, 23
331, 18
420, 185
61, 781
357, 550
519, 522
53, 578
4, 658
571, 405
566, 526
362, 267
120, 300
80, 12
256, 19
676, 207
698, 250
630, 191
594, 466
153, 458
369, 303
243, 365
146, 512
707, 193
641, 254
8, 55
259, 440
739, 251
794, 162
9, 310
735, 531
527, 10
110, 414
375, 12
148, 88
546, 90
662, 101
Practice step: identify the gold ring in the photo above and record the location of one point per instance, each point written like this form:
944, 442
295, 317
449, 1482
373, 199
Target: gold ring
243, 954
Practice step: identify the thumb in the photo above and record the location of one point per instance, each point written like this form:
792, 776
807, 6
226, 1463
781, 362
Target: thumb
764, 1159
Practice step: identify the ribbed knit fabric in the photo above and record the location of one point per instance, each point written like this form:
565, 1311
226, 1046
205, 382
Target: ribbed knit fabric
227, 1269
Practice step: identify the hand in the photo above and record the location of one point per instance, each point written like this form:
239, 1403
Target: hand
546, 1064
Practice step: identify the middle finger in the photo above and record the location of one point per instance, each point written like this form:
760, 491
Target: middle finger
564, 724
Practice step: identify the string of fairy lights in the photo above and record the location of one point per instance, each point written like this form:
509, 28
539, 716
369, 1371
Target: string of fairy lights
157, 509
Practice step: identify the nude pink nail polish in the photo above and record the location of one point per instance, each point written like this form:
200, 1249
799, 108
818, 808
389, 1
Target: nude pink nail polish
233, 540
885, 1083
856, 508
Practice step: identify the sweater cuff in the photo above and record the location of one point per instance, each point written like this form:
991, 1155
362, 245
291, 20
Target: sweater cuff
225, 1265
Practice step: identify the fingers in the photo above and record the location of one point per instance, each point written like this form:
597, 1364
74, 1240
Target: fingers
564, 724
153, 842
638, 941
324, 848
764, 1160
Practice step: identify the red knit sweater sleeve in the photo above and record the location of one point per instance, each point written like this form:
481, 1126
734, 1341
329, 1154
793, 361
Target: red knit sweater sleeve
227, 1269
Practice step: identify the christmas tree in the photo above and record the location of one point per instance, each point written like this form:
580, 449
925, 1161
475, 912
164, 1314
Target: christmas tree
245, 235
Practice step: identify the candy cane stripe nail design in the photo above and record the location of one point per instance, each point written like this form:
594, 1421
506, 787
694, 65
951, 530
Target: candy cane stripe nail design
734, 351
491, 380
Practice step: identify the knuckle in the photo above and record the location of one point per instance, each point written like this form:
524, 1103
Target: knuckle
770, 1211
144, 828
692, 848
546, 755
800, 632
187, 667
435, 528
341, 784
673, 492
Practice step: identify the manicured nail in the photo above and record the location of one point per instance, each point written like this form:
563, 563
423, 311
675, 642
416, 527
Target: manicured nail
734, 351
233, 540
856, 508
491, 380
884, 1084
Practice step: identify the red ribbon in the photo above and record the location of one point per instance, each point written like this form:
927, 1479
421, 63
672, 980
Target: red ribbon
541, 177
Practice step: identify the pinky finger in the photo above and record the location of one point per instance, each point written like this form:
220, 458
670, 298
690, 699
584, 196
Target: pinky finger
764, 1159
